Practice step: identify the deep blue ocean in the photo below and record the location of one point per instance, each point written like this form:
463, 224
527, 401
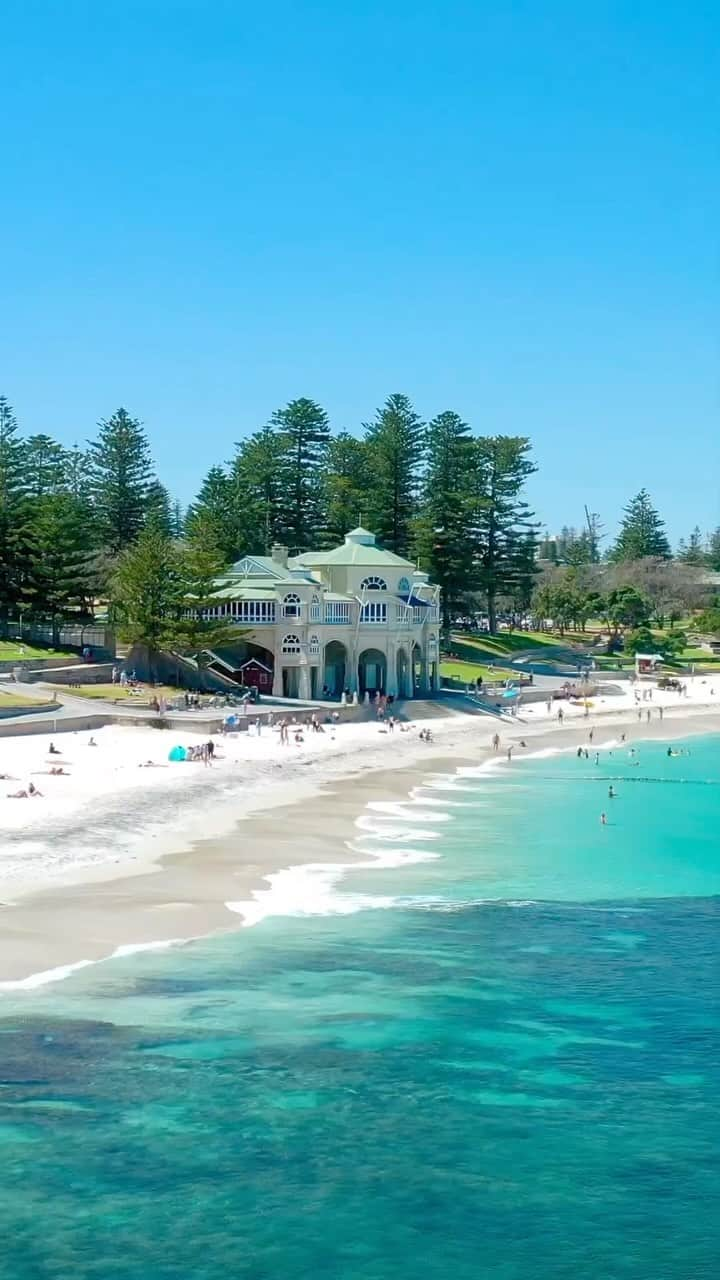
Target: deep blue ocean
505, 1064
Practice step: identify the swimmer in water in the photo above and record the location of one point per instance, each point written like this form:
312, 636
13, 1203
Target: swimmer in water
611, 792
603, 819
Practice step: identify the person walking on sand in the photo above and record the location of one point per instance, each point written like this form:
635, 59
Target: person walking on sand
496, 742
591, 735
662, 709
648, 713
509, 752
561, 715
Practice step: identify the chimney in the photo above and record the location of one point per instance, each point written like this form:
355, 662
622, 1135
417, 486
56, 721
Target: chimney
279, 554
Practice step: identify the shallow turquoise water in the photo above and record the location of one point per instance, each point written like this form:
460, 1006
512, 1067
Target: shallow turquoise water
451, 1086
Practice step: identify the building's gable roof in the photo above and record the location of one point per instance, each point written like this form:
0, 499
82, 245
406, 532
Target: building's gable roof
258, 567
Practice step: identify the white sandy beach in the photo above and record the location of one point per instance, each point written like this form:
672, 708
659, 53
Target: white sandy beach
115, 854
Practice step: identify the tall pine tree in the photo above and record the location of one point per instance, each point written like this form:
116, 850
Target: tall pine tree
158, 507
692, 551
395, 453
347, 484
16, 533
120, 476
443, 529
61, 573
303, 433
213, 518
45, 464
504, 529
642, 532
258, 491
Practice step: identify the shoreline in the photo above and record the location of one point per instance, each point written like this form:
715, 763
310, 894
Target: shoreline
289, 820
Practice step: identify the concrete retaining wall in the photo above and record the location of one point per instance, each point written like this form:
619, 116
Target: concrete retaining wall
8, 713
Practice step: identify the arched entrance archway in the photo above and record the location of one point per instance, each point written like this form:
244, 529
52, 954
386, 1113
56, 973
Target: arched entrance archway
403, 672
372, 671
335, 667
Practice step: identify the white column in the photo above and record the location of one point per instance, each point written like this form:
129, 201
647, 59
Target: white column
304, 683
351, 668
391, 670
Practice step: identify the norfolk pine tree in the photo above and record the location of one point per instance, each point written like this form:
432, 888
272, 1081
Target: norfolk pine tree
504, 530
443, 527
303, 434
120, 477
395, 452
642, 532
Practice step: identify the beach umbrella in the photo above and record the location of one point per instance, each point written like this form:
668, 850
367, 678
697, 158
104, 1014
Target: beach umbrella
177, 753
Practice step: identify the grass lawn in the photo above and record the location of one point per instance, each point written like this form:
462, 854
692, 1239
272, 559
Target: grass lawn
469, 671
8, 700
700, 656
507, 643
116, 693
11, 650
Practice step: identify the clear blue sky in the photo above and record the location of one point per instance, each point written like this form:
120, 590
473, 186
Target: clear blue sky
511, 209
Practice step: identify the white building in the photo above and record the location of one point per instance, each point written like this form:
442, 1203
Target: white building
356, 618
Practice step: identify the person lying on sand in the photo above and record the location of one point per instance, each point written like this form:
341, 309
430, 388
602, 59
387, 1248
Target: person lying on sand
59, 772
31, 792
7, 777
150, 764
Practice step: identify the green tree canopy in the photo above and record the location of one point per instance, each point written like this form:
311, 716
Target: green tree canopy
303, 431
394, 442
504, 533
347, 485
444, 526
120, 476
642, 532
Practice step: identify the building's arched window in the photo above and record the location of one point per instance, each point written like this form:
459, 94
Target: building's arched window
291, 644
291, 605
404, 587
313, 646
373, 584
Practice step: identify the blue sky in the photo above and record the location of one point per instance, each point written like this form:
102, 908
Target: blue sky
510, 209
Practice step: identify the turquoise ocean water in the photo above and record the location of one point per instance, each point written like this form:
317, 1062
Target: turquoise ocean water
506, 1063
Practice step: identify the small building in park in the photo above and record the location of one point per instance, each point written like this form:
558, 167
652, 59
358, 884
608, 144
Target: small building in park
355, 619
648, 664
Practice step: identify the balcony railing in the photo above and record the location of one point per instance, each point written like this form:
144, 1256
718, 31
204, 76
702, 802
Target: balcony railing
253, 612
338, 614
374, 613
